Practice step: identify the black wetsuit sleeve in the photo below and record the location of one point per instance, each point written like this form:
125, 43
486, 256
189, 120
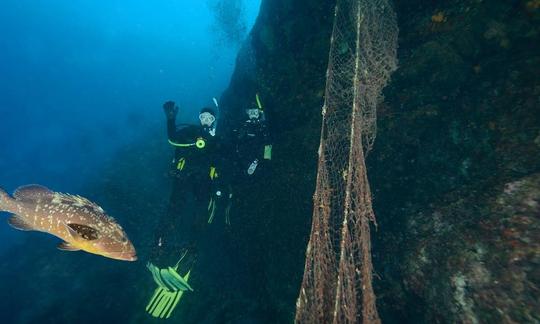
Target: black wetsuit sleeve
215, 155
171, 130
220, 158
182, 133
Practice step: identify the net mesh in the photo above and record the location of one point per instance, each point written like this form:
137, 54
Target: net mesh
337, 283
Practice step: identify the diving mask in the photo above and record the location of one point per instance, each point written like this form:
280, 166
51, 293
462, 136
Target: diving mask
253, 113
207, 119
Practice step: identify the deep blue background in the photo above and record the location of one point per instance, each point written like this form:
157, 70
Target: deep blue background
80, 79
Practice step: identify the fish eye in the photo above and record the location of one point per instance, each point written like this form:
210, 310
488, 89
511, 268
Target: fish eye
124, 239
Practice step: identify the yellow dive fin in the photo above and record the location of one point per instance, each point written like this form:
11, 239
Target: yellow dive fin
164, 301
171, 287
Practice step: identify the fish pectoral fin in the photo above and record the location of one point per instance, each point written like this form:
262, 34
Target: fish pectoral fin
19, 223
85, 232
72, 232
65, 246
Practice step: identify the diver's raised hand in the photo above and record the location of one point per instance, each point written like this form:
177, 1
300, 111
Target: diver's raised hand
170, 109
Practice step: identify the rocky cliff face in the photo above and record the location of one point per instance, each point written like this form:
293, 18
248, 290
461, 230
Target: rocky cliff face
455, 167
455, 170
285, 63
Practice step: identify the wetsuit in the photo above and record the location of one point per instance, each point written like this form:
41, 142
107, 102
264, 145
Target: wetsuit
195, 171
251, 139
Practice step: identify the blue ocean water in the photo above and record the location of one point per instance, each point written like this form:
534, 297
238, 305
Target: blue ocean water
87, 76
80, 81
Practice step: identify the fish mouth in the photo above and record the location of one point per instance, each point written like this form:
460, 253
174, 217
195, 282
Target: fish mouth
122, 256
131, 258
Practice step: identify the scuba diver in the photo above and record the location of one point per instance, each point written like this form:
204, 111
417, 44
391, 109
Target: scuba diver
195, 195
253, 145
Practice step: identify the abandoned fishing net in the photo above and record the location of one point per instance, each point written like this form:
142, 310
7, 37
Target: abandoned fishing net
337, 283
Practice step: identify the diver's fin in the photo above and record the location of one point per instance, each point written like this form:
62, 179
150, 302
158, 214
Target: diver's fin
156, 275
171, 288
163, 302
179, 281
19, 223
32, 192
65, 246
173, 281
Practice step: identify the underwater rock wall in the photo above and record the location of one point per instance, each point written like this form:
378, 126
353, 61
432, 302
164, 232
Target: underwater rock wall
285, 62
455, 168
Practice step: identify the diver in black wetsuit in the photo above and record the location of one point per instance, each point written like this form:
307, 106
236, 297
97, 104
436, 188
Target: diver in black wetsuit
253, 144
196, 194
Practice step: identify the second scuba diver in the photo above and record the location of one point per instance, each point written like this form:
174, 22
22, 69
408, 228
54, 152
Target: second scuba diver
253, 144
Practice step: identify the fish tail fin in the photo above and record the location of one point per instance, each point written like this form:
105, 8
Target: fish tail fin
4, 198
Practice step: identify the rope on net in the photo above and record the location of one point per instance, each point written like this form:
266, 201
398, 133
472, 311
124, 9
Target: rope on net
337, 283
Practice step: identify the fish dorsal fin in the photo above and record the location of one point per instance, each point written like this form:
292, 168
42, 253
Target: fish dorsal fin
19, 223
76, 201
32, 192
65, 246
83, 231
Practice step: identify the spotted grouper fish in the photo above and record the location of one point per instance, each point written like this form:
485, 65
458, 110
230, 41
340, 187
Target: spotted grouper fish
82, 224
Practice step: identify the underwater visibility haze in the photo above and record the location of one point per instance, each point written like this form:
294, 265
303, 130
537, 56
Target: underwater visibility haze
270, 161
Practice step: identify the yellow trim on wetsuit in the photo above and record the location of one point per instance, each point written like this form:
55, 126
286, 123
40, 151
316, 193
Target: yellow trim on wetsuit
213, 173
180, 164
180, 145
268, 152
200, 143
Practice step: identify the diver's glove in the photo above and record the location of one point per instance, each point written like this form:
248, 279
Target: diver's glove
170, 109
252, 167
